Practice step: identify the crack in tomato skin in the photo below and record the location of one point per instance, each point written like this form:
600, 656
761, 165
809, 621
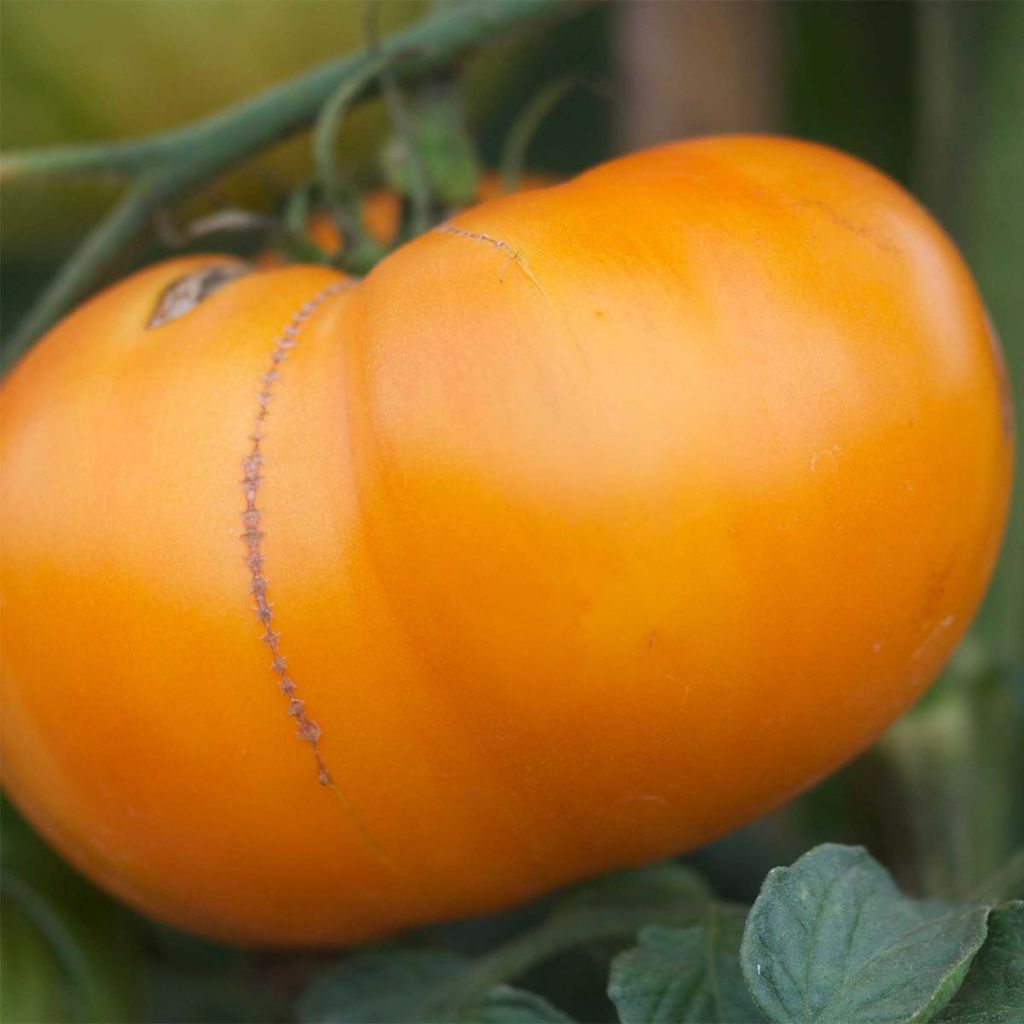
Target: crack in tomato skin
515, 255
252, 519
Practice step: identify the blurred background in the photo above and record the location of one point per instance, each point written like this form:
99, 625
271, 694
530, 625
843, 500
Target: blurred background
931, 92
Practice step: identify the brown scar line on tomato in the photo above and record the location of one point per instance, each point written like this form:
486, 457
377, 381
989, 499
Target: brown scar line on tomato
868, 234
252, 519
502, 246
306, 728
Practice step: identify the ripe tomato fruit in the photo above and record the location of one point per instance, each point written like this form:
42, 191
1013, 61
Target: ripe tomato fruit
587, 527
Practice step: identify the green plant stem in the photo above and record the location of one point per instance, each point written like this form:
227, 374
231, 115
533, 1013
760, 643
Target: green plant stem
127, 219
275, 113
111, 159
342, 198
516, 957
524, 128
170, 164
420, 192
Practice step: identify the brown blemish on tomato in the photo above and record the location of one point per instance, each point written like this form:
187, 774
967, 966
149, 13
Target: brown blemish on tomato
184, 294
830, 213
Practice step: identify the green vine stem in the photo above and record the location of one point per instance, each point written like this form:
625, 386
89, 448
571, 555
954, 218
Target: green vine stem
508, 962
169, 165
342, 198
420, 192
513, 155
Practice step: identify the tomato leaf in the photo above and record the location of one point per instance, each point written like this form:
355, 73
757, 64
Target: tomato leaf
832, 939
438, 131
993, 991
683, 976
422, 985
411, 985
381, 986
507, 1005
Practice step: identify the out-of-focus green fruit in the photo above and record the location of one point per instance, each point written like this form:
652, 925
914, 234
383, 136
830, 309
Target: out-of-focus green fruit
74, 71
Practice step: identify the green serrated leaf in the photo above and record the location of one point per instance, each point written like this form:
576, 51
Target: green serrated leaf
831, 940
382, 986
684, 976
993, 991
507, 1005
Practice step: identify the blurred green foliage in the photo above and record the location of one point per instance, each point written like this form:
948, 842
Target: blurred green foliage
67, 952
933, 93
848, 74
101, 69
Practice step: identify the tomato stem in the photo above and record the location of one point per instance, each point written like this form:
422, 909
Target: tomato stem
524, 128
170, 164
342, 197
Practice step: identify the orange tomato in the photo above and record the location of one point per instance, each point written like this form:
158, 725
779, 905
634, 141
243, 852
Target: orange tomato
587, 527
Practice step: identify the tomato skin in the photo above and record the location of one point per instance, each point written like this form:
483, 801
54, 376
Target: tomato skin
597, 522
